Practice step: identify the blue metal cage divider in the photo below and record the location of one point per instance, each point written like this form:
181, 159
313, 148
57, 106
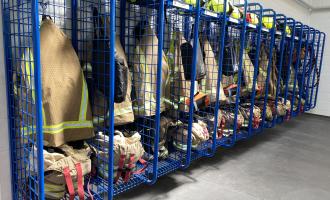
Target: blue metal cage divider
281, 34
240, 52
252, 50
297, 61
322, 37
287, 62
313, 71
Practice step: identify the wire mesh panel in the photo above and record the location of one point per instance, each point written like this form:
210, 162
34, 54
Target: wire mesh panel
313, 71
310, 65
208, 92
232, 64
292, 90
96, 54
248, 112
22, 39
18, 19
276, 83
186, 67
301, 70
287, 71
317, 72
266, 61
138, 45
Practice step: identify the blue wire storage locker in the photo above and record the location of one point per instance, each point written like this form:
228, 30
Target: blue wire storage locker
313, 74
211, 38
250, 69
276, 81
317, 73
265, 66
287, 66
164, 44
231, 73
310, 50
297, 61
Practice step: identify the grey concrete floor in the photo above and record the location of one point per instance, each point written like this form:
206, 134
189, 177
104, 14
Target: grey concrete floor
289, 162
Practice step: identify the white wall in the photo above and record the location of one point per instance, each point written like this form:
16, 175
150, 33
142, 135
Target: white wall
290, 8
5, 185
321, 21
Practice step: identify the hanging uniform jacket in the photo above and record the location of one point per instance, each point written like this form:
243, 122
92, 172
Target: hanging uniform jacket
178, 91
123, 110
248, 71
212, 68
145, 71
65, 102
263, 66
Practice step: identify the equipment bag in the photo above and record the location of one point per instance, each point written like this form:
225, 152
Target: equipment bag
65, 168
187, 61
179, 134
245, 110
127, 152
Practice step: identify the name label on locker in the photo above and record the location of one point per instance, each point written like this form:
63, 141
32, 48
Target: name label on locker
252, 26
233, 20
180, 5
212, 14
265, 30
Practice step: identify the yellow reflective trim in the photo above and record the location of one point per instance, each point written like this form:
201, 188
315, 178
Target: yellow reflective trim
54, 129
29, 69
54, 188
67, 125
84, 100
43, 116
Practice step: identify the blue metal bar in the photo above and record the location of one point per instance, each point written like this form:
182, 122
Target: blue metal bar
9, 79
186, 33
283, 38
74, 8
270, 60
112, 37
38, 95
161, 24
240, 71
311, 56
255, 74
122, 23
292, 46
223, 18
192, 86
304, 67
296, 66
315, 69
322, 54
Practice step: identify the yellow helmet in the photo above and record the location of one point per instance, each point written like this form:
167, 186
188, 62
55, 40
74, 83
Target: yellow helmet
288, 30
217, 6
191, 2
236, 14
252, 18
268, 22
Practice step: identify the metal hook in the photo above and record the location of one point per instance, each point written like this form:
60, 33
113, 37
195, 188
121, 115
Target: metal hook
43, 6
